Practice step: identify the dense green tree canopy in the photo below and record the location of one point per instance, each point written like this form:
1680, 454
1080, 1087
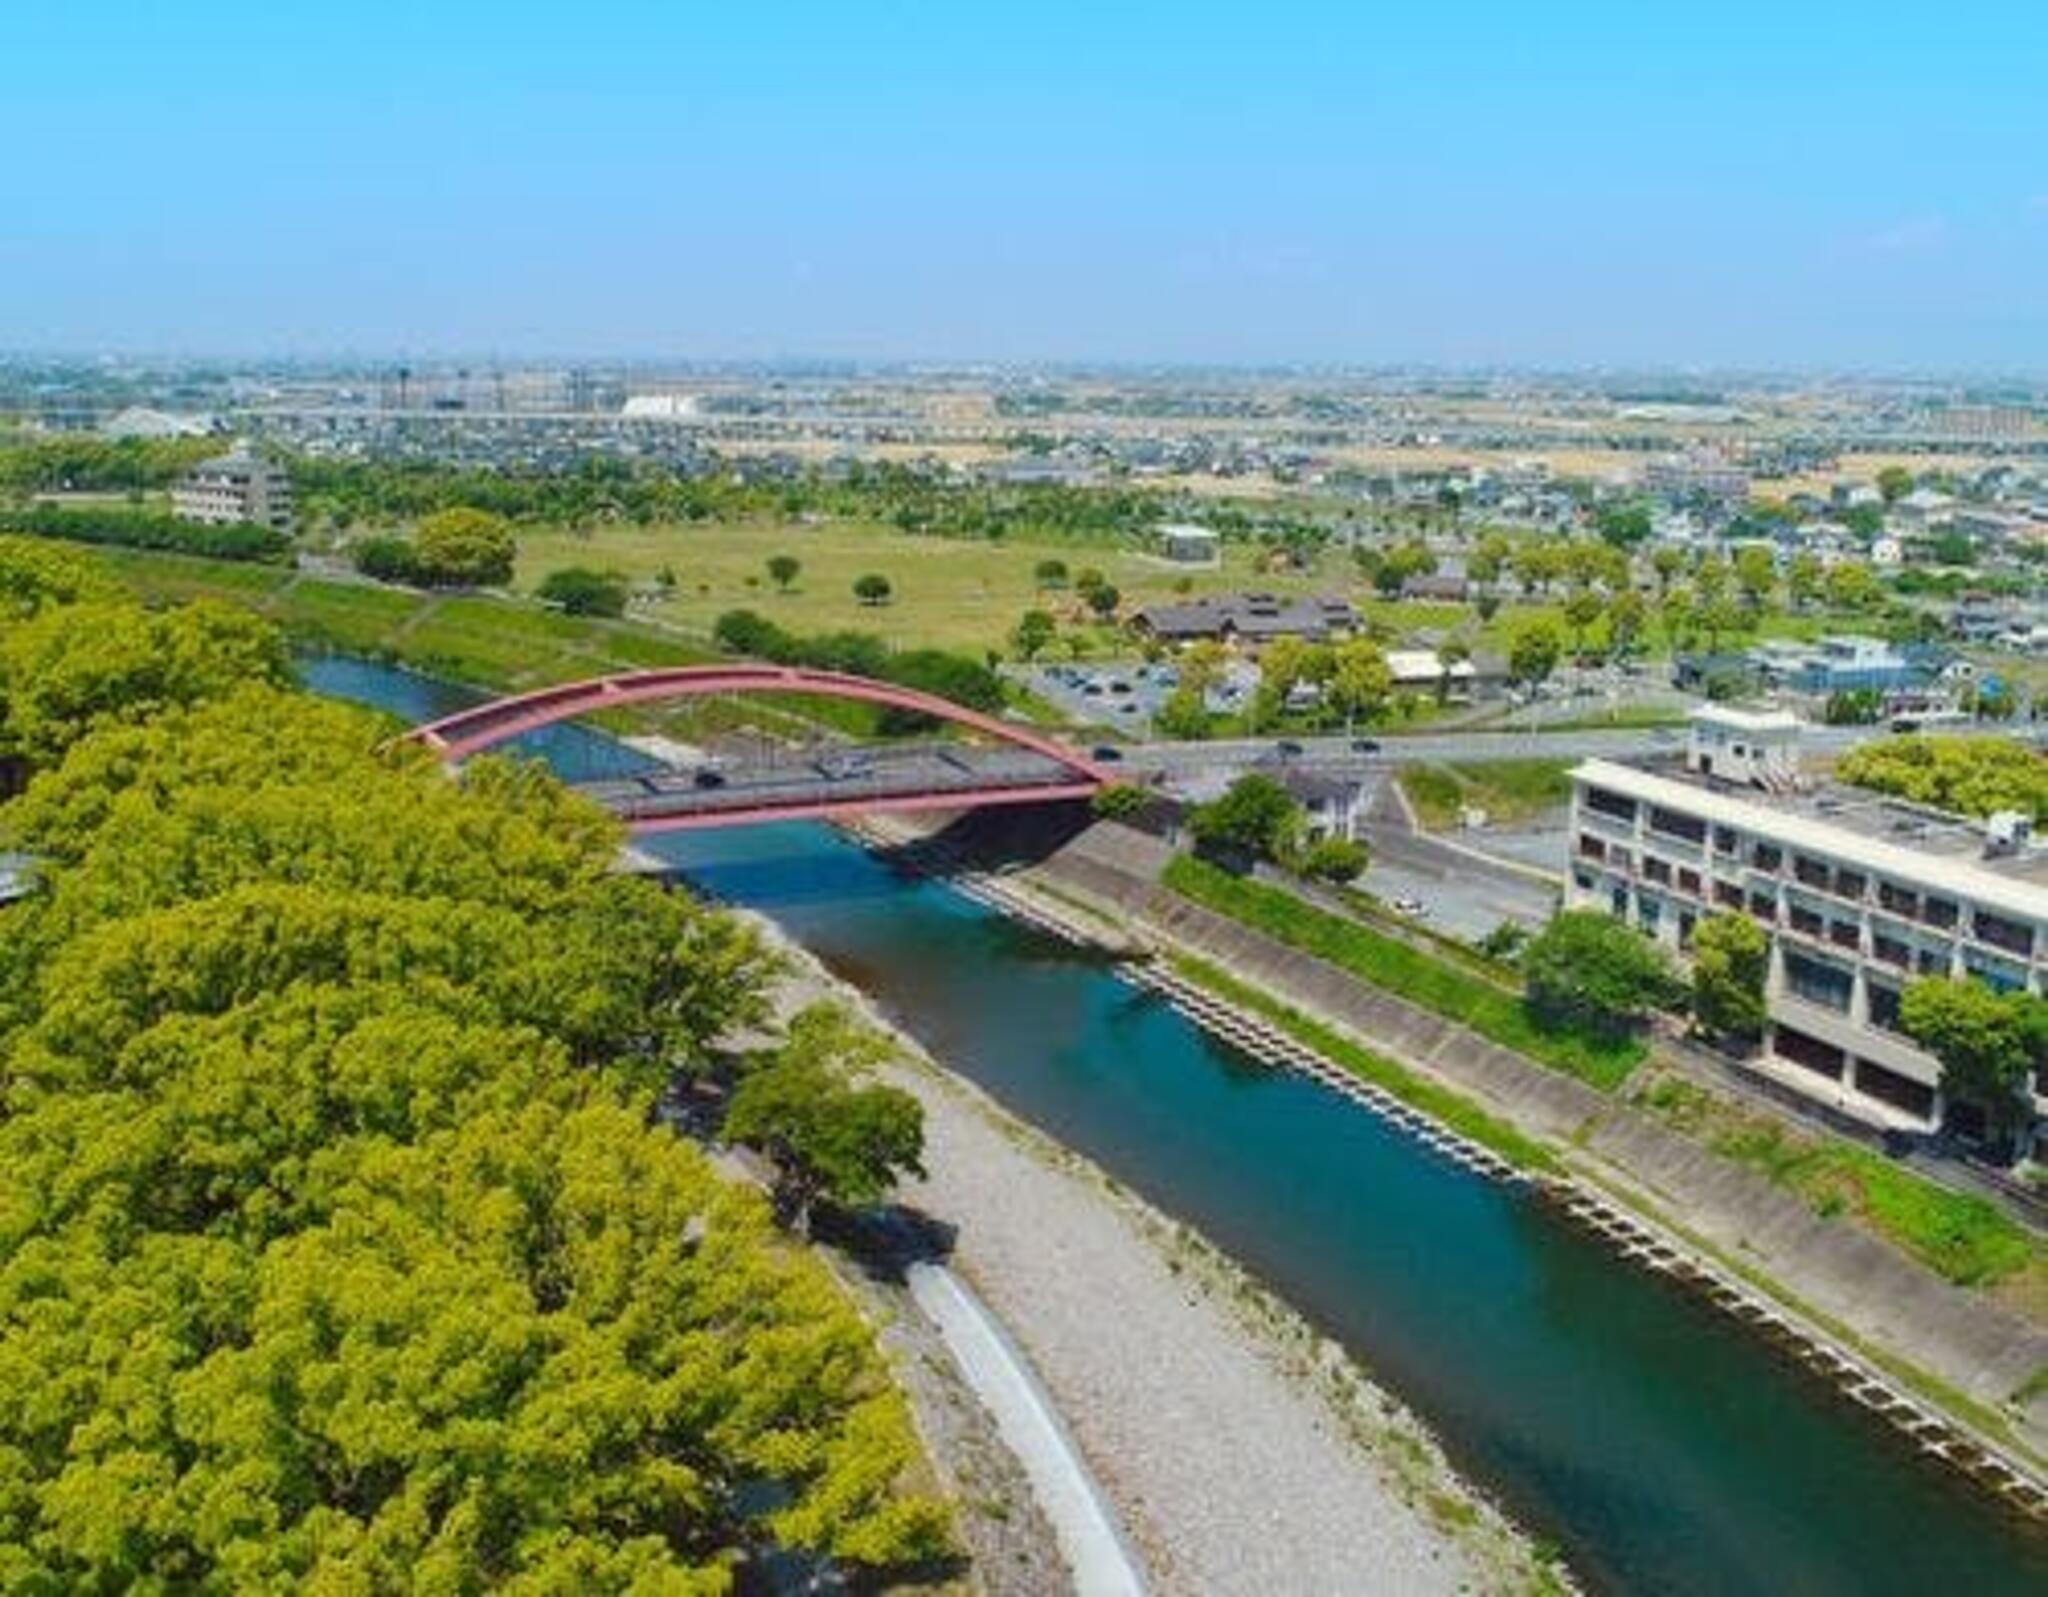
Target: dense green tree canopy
464, 547
1989, 1043
1255, 816
1731, 960
338, 1246
1588, 969
1971, 775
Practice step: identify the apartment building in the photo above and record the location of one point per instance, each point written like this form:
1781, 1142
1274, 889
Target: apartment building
1861, 895
235, 487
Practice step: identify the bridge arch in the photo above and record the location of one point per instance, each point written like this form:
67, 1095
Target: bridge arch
482, 726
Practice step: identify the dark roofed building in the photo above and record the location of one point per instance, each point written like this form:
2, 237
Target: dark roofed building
1248, 618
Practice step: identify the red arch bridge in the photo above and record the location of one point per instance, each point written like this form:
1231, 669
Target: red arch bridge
1011, 765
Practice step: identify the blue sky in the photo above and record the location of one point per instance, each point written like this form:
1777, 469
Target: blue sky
1790, 185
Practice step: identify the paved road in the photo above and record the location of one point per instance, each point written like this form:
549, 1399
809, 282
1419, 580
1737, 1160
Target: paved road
1394, 749
1081, 1517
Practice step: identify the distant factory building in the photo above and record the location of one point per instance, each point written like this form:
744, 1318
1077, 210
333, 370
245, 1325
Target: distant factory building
237, 486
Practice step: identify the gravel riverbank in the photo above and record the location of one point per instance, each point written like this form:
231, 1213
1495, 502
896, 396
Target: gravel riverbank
1243, 1452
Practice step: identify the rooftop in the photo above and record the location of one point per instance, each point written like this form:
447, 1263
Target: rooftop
1885, 834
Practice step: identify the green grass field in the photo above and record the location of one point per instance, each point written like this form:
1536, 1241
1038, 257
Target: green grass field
1507, 790
1421, 978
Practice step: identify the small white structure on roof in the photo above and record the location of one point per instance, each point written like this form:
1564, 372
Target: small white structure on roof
1757, 748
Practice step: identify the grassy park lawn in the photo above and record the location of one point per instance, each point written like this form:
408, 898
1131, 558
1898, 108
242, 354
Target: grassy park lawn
948, 593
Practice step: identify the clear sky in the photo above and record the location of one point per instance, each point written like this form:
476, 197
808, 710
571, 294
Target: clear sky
1710, 183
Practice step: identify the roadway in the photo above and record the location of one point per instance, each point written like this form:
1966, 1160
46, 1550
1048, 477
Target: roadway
885, 776
1341, 755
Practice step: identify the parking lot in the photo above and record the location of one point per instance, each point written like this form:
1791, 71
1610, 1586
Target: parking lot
1124, 695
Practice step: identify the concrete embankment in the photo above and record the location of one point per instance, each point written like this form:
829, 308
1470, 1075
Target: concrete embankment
1843, 1276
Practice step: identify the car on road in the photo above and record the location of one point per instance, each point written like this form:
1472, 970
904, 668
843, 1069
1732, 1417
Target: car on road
1288, 747
1365, 745
1414, 908
708, 776
1105, 751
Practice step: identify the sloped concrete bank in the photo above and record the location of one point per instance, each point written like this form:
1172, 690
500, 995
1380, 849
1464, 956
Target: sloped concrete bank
1833, 1277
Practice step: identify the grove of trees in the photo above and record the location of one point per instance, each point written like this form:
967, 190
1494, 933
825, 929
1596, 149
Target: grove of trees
339, 1246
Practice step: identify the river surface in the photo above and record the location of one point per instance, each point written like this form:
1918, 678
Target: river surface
1661, 1448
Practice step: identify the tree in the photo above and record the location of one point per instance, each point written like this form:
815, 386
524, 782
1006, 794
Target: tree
1049, 574
1623, 526
1255, 817
1990, 1045
1334, 859
1183, 716
1361, 683
1202, 665
1087, 580
583, 592
872, 589
1534, 652
386, 560
1851, 586
1626, 614
783, 569
1486, 562
389, 1199
1034, 630
1103, 600
1756, 574
1804, 579
831, 1134
1667, 560
1973, 775
464, 547
1731, 958
1894, 483
1119, 801
1591, 971
1581, 610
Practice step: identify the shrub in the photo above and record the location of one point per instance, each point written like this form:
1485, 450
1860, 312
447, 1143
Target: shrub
583, 592
1334, 859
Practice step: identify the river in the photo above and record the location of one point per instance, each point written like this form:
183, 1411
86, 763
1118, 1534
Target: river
1663, 1449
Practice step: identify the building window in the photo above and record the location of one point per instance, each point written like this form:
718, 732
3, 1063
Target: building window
1806, 920
1764, 906
1591, 847
1888, 1086
1674, 824
2011, 935
1811, 1052
1817, 981
1939, 912
1606, 803
1848, 884
1813, 872
1619, 858
1724, 839
1768, 857
1689, 881
1656, 870
1884, 1005
1728, 893
1995, 973
1890, 950
1897, 899
1845, 934
1932, 961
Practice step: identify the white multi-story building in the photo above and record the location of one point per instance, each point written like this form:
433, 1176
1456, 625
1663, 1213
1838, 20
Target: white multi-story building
1861, 895
235, 487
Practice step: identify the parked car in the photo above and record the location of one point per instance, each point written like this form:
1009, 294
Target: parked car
1288, 747
1411, 907
1105, 751
1365, 745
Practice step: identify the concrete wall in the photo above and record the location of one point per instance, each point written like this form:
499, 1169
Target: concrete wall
1837, 1269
